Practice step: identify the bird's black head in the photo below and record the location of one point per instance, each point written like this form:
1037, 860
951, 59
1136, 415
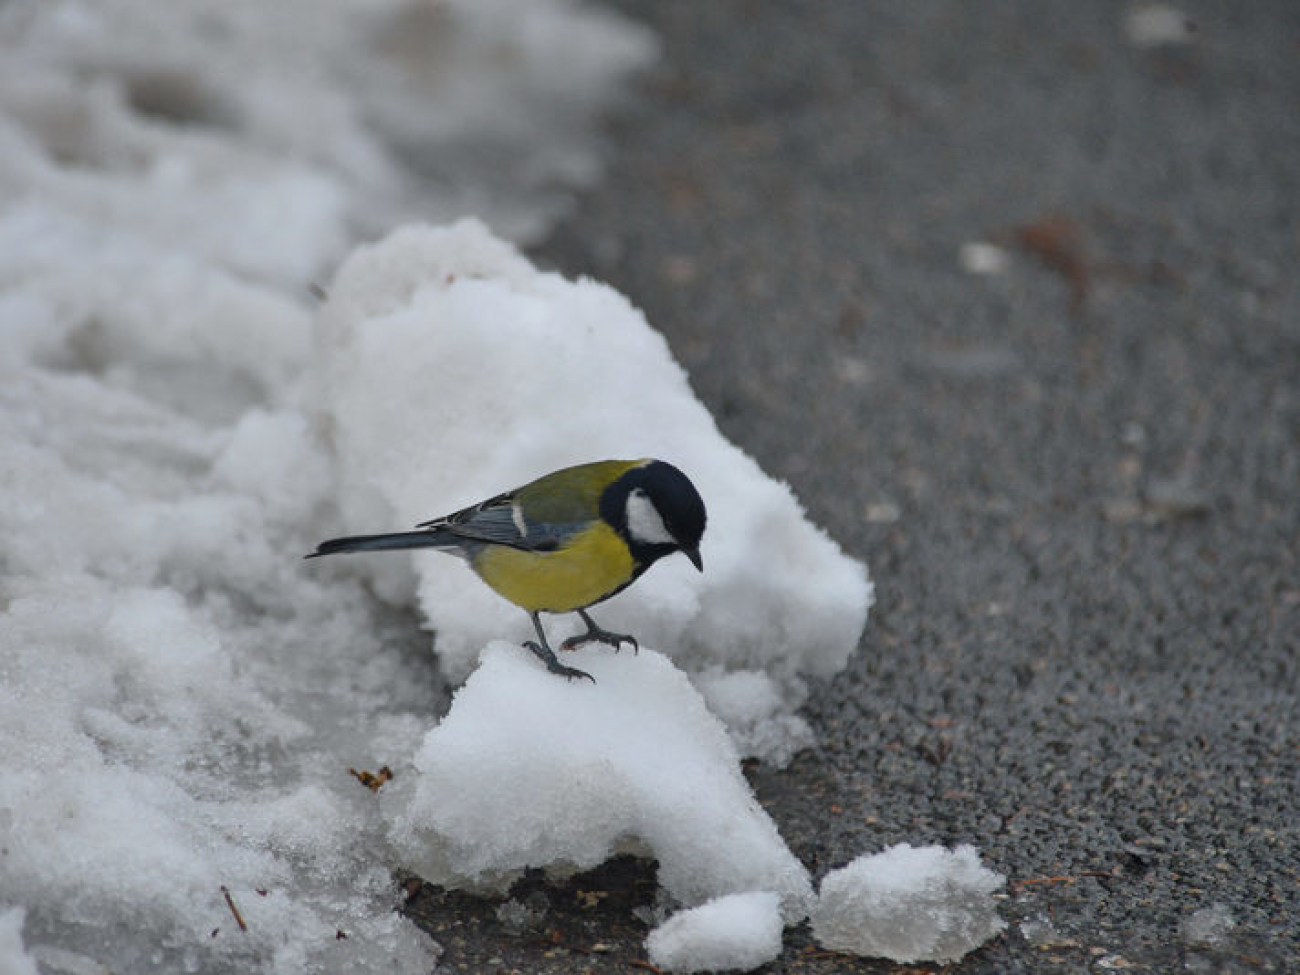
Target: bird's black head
657, 510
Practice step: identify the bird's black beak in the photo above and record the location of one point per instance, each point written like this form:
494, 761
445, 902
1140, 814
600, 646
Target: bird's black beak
694, 555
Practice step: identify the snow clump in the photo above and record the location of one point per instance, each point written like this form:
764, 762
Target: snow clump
909, 904
737, 932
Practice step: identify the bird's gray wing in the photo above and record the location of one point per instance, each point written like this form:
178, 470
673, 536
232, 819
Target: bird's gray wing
500, 521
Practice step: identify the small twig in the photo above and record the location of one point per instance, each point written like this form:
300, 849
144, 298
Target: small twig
638, 963
1043, 881
1068, 878
230, 903
1057, 242
556, 940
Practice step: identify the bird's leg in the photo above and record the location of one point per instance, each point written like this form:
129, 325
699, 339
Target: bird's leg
594, 632
547, 655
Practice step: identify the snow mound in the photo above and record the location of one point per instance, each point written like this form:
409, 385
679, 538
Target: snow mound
528, 770
179, 700
909, 904
737, 932
321, 119
451, 370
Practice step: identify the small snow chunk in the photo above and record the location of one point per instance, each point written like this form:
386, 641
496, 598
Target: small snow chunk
1157, 24
981, 257
1209, 927
735, 933
739, 697
909, 904
1041, 933
881, 512
756, 712
1168, 499
852, 370
527, 770
14, 960
518, 916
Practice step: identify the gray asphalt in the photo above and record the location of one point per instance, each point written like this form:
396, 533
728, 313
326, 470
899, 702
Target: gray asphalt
1076, 482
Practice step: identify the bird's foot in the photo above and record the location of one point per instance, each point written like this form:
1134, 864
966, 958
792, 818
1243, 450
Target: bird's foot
547, 656
595, 634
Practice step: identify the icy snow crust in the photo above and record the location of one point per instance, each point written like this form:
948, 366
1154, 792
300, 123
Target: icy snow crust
909, 904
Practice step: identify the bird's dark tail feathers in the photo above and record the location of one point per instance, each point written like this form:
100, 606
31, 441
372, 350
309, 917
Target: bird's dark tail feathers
382, 543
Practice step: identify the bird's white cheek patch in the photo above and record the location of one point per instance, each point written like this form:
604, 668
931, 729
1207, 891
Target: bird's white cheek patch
643, 521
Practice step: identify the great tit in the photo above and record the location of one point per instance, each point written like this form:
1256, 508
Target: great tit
564, 542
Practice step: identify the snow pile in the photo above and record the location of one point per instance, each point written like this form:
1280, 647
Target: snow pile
451, 370
168, 724
528, 770
735, 932
909, 904
323, 119
179, 700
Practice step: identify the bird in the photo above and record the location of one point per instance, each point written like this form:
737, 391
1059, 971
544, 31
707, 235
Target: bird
564, 542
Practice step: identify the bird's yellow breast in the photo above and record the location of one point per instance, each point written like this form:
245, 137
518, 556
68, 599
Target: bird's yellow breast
594, 564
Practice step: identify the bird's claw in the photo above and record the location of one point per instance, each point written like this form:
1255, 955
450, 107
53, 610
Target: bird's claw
597, 635
553, 665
